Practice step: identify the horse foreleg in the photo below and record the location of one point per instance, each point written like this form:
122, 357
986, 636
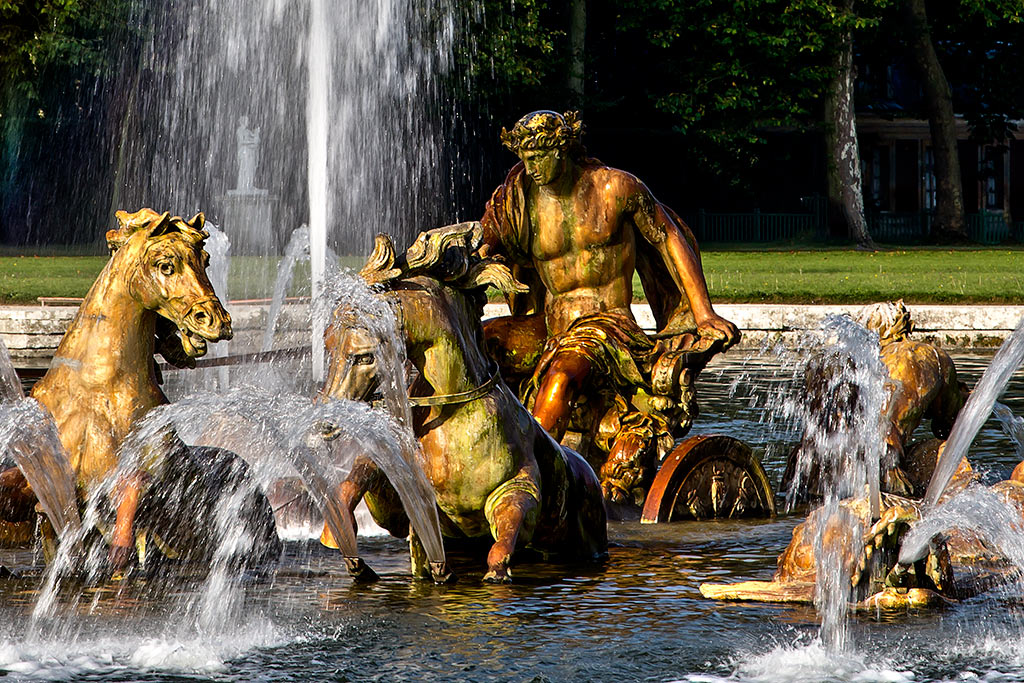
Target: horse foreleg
347, 495
122, 541
511, 510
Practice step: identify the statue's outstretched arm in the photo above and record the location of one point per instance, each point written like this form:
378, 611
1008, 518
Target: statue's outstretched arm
658, 228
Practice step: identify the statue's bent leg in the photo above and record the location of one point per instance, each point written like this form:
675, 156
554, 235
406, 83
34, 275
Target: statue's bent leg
511, 510
564, 378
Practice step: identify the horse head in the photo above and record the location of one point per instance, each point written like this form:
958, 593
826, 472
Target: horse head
352, 354
164, 264
418, 285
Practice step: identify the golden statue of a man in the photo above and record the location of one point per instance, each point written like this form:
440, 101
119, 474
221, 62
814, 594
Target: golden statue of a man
576, 230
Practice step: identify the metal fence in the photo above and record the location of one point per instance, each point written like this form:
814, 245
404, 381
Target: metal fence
915, 227
884, 227
754, 227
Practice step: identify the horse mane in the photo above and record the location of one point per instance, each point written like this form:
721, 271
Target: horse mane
159, 224
448, 254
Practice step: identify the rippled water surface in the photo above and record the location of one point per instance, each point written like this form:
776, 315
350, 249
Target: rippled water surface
638, 617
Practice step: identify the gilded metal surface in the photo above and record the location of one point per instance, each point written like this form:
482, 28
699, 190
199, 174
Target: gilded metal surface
708, 477
494, 471
867, 552
152, 296
576, 230
923, 384
958, 565
104, 381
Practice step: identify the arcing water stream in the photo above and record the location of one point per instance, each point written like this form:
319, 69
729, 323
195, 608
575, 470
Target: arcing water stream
975, 412
979, 406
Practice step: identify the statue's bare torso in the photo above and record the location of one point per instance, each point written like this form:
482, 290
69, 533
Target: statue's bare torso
584, 245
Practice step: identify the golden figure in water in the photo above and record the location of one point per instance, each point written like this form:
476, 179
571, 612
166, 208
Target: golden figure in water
576, 231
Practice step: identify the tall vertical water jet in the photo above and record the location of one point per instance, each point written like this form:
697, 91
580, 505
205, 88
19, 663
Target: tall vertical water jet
316, 126
347, 100
840, 402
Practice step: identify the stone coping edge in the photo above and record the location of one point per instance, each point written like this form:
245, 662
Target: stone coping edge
31, 333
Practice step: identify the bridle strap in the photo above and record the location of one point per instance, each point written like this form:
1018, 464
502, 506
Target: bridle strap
460, 397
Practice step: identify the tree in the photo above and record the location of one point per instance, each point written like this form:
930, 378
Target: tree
577, 50
57, 59
729, 72
48, 45
948, 224
845, 191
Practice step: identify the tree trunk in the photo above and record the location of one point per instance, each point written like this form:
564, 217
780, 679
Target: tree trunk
938, 101
845, 194
577, 44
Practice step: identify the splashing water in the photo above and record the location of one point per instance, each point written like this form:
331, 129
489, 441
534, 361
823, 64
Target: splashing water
840, 403
29, 436
975, 412
10, 383
842, 412
1013, 426
281, 436
297, 249
978, 510
377, 316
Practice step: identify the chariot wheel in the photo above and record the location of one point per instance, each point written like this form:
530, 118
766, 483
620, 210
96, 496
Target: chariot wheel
711, 476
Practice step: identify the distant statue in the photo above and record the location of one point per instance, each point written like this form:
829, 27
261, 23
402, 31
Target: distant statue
575, 230
248, 141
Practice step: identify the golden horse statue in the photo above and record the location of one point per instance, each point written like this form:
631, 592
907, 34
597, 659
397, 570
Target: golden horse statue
495, 472
152, 296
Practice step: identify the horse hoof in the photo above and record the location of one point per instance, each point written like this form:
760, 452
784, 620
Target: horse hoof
359, 570
496, 577
441, 573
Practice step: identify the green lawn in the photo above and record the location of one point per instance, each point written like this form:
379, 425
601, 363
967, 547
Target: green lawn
848, 276
803, 276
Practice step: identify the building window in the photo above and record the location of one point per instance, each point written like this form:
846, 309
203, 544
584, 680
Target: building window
928, 180
990, 172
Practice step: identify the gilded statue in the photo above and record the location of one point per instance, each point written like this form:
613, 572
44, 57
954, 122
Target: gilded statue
153, 296
496, 474
922, 384
576, 231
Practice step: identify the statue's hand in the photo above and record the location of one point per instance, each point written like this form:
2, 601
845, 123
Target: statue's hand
717, 327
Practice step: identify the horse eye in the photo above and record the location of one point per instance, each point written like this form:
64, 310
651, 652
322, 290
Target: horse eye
166, 267
363, 359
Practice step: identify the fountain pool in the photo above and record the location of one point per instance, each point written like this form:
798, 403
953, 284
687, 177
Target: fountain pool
639, 617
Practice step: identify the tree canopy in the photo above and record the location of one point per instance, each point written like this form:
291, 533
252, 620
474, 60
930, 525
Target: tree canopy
715, 80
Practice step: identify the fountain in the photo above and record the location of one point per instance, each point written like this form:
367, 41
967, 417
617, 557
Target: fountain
638, 617
643, 604
966, 544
